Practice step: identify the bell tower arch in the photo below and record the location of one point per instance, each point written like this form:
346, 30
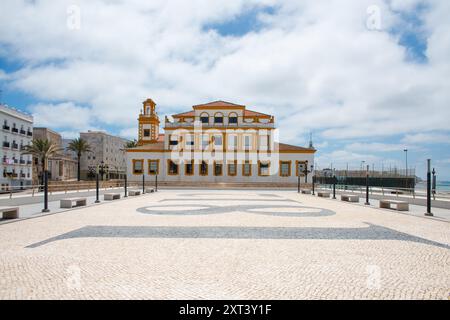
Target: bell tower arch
148, 123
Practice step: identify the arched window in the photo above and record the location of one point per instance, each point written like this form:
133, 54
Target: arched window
218, 118
233, 118
204, 118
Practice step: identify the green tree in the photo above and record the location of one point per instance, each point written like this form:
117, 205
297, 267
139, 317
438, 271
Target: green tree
42, 149
79, 146
131, 144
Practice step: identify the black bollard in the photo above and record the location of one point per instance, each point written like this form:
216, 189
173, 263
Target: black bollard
97, 187
334, 187
126, 185
143, 183
298, 183
156, 183
367, 187
313, 185
429, 214
45, 192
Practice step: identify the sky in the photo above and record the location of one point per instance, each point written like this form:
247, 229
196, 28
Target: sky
368, 79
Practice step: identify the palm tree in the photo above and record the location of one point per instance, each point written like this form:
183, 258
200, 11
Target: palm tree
43, 149
131, 144
79, 146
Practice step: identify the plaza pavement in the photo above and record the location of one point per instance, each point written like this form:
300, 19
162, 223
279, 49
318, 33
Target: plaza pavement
211, 244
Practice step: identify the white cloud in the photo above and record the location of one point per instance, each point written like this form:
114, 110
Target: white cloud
427, 138
376, 147
313, 64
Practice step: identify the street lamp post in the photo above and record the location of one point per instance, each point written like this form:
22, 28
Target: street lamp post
406, 161
367, 187
429, 189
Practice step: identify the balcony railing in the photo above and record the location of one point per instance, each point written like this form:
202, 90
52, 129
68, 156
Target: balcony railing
29, 162
22, 162
6, 144
29, 133
23, 132
6, 127
15, 130
15, 146
221, 125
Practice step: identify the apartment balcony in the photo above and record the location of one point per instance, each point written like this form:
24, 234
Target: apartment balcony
15, 130
15, 146
5, 127
242, 125
22, 162
29, 133
6, 144
29, 162
23, 175
23, 132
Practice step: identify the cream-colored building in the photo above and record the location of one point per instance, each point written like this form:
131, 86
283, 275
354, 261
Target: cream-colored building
217, 142
61, 166
105, 149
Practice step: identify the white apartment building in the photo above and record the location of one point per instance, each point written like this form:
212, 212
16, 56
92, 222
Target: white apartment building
17, 132
105, 148
216, 143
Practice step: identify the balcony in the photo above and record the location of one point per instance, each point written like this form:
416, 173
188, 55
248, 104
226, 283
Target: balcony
5, 127
23, 175
15, 130
15, 146
23, 132
6, 144
269, 125
29, 162
15, 161
29, 133
22, 161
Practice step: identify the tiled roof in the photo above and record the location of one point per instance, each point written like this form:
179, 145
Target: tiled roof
219, 103
289, 147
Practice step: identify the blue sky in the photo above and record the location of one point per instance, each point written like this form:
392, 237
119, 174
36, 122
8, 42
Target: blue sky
365, 94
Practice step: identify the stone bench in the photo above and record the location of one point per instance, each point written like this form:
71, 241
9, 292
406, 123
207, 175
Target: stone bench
134, 192
306, 191
149, 190
73, 202
349, 198
400, 205
112, 196
323, 194
9, 212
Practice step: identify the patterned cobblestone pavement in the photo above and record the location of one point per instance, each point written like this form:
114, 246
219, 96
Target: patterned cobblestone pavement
185, 244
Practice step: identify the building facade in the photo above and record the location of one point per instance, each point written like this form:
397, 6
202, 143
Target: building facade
217, 142
107, 150
16, 168
61, 167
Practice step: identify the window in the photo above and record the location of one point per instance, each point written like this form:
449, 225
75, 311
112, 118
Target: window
285, 168
300, 168
232, 142
205, 141
189, 140
204, 118
217, 169
146, 132
232, 118
247, 142
264, 142
247, 169
189, 168
232, 169
138, 166
153, 167
264, 168
173, 140
203, 169
217, 140
218, 118
172, 168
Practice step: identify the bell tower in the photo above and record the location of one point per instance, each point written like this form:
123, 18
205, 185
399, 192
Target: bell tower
148, 123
